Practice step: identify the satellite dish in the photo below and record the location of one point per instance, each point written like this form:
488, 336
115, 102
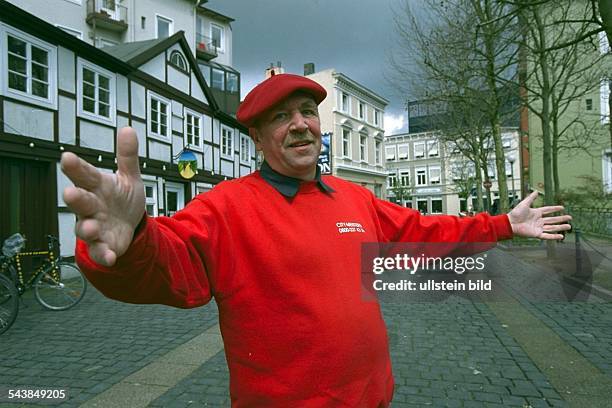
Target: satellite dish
187, 164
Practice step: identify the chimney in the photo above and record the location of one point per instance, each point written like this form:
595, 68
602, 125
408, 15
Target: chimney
274, 70
309, 69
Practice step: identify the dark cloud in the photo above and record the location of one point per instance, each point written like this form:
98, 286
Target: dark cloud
353, 36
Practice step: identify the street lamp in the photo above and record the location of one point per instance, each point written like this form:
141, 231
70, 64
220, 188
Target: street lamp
511, 160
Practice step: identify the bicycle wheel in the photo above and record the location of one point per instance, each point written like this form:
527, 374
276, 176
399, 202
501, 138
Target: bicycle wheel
64, 293
9, 303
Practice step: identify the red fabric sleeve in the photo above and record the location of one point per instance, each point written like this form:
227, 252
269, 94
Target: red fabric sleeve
400, 224
166, 262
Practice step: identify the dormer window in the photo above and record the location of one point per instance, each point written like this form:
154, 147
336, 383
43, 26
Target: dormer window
178, 60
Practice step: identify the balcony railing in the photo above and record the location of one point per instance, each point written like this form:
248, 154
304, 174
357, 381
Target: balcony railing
108, 14
205, 47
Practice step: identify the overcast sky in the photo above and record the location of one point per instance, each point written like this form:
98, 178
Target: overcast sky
355, 37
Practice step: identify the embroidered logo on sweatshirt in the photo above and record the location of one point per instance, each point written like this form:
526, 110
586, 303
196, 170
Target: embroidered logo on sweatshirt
344, 227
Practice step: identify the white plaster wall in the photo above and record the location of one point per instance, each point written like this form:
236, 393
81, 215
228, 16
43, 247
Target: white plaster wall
196, 90
178, 80
66, 223
159, 151
67, 120
177, 109
177, 146
216, 159
156, 67
161, 197
122, 121
182, 12
138, 100
28, 121
227, 168
177, 124
452, 204
244, 170
141, 132
96, 136
65, 70
62, 182
67, 13
207, 128
122, 93
216, 131
208, 154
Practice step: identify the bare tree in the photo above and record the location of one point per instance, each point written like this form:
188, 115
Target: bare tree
450, 58
556, 79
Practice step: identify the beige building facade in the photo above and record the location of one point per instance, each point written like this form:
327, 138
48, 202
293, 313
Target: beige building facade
353, 115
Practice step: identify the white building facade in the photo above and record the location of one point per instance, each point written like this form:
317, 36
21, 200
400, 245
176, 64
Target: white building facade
58, 93
428, 175
353, 115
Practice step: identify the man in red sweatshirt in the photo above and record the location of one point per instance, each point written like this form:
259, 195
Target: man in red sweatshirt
279, 250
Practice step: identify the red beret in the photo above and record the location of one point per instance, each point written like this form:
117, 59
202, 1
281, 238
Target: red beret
272, 91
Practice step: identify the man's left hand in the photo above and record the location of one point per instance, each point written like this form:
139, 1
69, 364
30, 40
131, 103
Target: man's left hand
530, 222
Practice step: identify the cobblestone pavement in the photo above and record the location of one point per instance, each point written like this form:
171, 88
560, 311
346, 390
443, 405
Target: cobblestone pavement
450, 351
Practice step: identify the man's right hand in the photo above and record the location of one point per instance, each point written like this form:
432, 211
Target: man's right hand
108, 206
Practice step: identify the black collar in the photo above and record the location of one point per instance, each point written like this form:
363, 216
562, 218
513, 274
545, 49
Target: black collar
289, 186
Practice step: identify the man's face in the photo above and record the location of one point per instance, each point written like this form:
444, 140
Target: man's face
289, 134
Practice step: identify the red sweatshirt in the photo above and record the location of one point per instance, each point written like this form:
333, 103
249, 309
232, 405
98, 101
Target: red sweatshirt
286, 278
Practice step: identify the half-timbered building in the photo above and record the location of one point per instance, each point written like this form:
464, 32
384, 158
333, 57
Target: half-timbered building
58, 93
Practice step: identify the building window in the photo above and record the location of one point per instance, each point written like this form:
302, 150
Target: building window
405, 178
218, 79
193, 129
377, 152
376, 117
589, 104
175, 198
491, 169
177, 59
245, 149
402, 152
390, 153
227, 142
434, 175
346, 143
421, 177
392, 180
345, 102
150, 188
232, 82
422, 206
457, 170
159, 121
419, 150
363, 147
165, 26
436, 206
506, 142
216, 33
362, 110
432, 148
96, 92
31, 68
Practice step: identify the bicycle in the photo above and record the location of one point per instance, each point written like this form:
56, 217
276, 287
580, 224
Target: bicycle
58, 285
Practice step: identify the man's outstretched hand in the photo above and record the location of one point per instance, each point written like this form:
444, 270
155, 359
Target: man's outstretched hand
531, 223
108, 206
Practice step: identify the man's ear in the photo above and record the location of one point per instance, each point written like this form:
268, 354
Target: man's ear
256, 136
